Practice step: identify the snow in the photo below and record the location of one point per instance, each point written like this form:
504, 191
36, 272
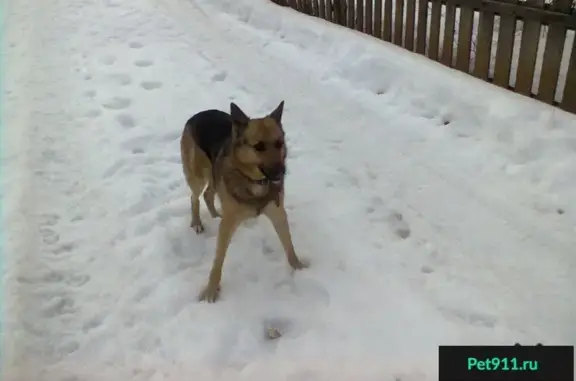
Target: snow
434, 208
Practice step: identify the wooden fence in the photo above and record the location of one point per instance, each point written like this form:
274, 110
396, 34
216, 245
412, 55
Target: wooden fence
526, 46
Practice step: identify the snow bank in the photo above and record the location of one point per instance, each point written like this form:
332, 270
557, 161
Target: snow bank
542, 151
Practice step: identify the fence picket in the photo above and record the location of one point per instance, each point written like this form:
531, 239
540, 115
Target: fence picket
464, 39
339, 12
328, 10
528, 50
308, 7
409, 30
484, 45
504, 51
378, 18
553, 55
569, 98
351, 5
388, 20
435, 19
422, 26
360, 15
398, 22
447, 45
315, 8
369, 19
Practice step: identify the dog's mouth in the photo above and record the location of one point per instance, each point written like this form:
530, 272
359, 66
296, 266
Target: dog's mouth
274, 175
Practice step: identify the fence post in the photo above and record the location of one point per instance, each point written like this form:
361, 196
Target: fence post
435, 25
422, 26
409, 29
484, 45
553, 55
448, 44
464, 38
398, 22
350, 4
360, 15
378, 18
569, 98
388, 20
504, 50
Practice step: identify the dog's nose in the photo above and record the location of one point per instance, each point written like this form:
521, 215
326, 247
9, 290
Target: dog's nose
275, 173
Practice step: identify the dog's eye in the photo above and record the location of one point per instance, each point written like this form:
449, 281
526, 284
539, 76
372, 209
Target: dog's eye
260, 146
278, 144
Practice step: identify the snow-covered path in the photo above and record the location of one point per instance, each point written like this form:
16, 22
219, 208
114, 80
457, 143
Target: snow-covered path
103, 271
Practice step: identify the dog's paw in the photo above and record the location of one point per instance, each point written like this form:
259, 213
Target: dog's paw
197, 226
300, 264
210, 294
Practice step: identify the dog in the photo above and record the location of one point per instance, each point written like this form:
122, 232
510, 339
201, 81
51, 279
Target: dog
243, 161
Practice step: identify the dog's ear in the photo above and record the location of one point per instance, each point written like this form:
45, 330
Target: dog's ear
238, 117
277, 114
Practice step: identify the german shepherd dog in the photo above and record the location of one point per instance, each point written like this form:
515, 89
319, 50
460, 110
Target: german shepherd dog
243, 161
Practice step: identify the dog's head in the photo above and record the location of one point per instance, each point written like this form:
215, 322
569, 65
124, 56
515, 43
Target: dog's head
259, 142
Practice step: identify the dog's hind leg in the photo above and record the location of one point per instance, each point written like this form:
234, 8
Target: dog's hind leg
209, 195
196, 223
192, 165
197, 185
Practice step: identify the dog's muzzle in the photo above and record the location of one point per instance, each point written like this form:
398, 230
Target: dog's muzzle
274, 174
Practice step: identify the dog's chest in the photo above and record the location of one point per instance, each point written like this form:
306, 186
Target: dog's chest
256, 196
259, 190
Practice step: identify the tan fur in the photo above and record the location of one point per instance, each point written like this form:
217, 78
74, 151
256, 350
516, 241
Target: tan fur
240, 198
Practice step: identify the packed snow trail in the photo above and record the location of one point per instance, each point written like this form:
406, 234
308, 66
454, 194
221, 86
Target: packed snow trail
415, 238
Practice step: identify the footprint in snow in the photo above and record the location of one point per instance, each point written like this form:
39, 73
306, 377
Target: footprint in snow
151, 85
92, 114
49, 236
143, 63
219, 77
120, 79
398, 225
90, 93
117, 103
108, 60
126, 120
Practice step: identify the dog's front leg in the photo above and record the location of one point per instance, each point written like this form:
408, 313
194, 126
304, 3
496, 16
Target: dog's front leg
278, 217
228, 226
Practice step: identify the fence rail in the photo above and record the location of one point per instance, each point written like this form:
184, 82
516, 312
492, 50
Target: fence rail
525, 46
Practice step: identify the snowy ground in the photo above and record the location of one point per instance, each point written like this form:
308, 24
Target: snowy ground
102, 270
